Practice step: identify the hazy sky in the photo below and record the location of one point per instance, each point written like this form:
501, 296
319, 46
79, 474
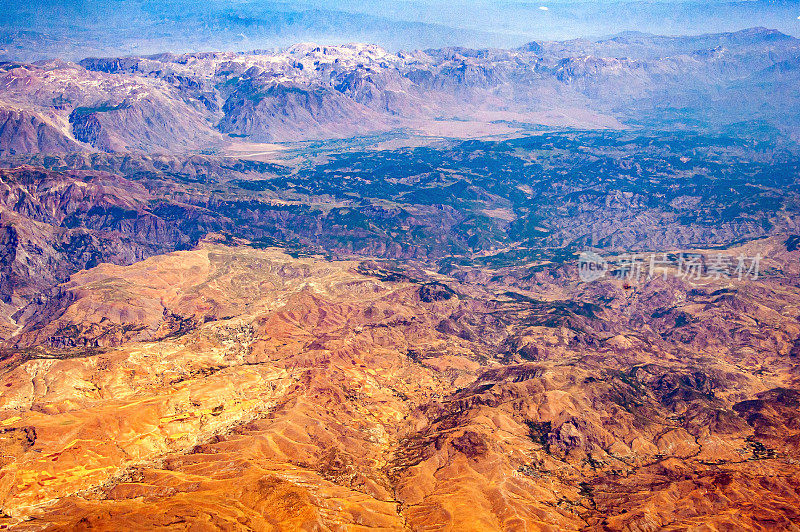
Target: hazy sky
577, 18
76, 29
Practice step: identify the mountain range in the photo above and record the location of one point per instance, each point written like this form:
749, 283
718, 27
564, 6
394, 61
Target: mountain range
205, 103
549, 287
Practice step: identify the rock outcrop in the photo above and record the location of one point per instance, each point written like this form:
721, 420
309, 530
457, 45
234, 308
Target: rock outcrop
212, 101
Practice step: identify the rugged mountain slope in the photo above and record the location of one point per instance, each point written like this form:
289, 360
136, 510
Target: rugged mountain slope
281, 112
303, 393
59, 223
106, 112
537, 199
420, 353
204, 101
23, 132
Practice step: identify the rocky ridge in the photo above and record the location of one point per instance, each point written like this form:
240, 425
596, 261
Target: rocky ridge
297, 392
207, 101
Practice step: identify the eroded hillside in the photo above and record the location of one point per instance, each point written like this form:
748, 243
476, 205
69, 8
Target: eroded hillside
226, 102
241, 388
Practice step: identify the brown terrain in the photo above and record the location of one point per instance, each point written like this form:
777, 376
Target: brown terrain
233, 388
332, 288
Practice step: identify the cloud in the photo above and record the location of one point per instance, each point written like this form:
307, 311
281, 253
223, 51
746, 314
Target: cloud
545, 8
